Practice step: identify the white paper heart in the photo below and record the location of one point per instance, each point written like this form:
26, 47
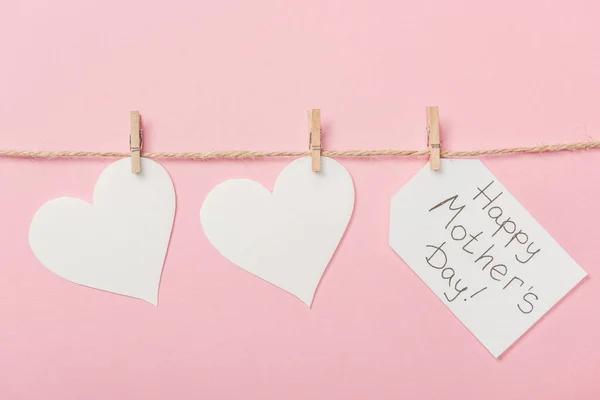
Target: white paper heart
286, 237
119, 243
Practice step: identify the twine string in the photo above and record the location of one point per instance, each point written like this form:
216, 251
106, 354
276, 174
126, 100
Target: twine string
247, 154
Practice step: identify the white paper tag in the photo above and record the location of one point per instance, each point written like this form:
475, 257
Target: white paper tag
117, 244
286, 237
479, 251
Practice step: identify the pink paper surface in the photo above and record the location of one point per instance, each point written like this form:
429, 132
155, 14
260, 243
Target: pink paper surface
241, 75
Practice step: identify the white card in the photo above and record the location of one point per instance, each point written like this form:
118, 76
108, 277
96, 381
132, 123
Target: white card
119, 243
479, 251
286, 237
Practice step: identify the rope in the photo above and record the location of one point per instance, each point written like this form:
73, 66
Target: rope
245, 154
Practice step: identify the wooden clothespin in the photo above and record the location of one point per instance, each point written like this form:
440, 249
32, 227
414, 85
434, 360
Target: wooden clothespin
314, 141
433, 137
135, 143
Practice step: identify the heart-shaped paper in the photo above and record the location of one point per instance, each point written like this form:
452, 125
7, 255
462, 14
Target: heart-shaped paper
119, 243
286, 237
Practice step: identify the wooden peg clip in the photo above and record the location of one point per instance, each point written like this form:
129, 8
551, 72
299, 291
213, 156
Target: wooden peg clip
314, 141
135, 142
433, 137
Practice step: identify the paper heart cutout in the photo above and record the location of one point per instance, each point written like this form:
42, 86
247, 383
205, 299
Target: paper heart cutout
286, 237
119, 243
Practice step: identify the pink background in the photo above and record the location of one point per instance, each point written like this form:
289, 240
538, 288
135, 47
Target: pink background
240, 75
